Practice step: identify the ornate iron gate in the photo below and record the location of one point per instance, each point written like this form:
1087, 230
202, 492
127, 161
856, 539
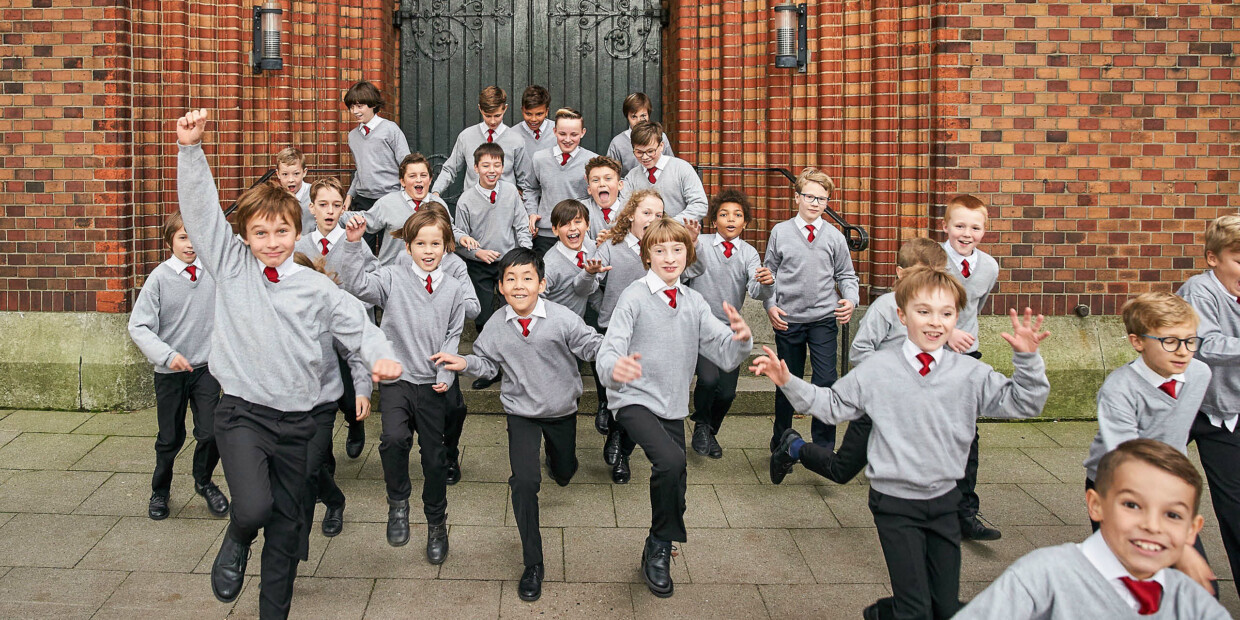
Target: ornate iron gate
588, 53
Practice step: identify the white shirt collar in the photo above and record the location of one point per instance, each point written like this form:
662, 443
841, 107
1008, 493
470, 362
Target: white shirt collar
543, 129
499, 131
556, 149
332, 238
1147, 373
287, 268
179, 265
374, 122
633, 242
436, 275
486, 193
911, 351
662, 163
1099, 554
656, 283
957, 258
539, 311
1221, 287
817, 223
303, 193
570, 253
719, 240
410, 201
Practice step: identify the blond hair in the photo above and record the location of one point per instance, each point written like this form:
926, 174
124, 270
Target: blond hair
1153, 311
814, 175
920, 277
965, 201
921, 251
1223, 234
290, 156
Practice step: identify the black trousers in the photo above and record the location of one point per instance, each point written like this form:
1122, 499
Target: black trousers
455, 423
362, 203
921, 544
791, 344
542, 244
525, 436
348, 400
485, 278
321, 466
714, 393
598, 385
664, 444
200, 392
1219, 449
264, 452
409, 408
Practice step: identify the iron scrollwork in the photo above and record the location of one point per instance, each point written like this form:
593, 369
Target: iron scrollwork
632, 31
440, 30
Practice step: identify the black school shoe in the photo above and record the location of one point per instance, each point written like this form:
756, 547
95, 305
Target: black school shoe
228, 571
781, 461
217, 503
974, 529
482, 384
611, 447
530, 586
398, 522
333, 520
701, 438
602, 419
454, 471
356, 440
157, 508
437, 543
657, 567
714, 450
620, 473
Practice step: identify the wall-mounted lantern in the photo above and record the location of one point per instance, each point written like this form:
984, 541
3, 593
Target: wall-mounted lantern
791, 48
266, 53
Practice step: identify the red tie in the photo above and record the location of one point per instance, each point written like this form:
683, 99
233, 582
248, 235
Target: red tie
925, 359
490, 135
324, 242
671, 295
964, 268
581, 260
810, 228
650, 173
193, 273
525, 327
537, 133
428, 285
1147, 593
607, 218
417, 204
492, 197
565, 160
271, 274
366, 130
1168, 387
727, 249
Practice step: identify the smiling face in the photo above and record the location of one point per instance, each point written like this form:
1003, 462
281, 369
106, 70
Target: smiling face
494, 118
638, 116
568, 133
362, 112
1147, 517
647, 211
603, 184
416, 181
572, 234
521, 287
1226, 266
808, 211
291, 176
648, 154
489, 169
730, 220
1156, 357
965, 229
930, 317
327, 206
271, 239
182, 248
668, 260
534, 116
427, 248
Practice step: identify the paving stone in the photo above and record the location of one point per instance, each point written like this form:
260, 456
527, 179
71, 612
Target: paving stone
4, 413
702, 507
142, 423
7, 436
483, 429
569, 600
1228, 597
847, 555
132, 454
849, 503
361, 551
609, 554
1065, 500
46, 450
1063, 463
694, 600
1070, 434
1012, 465
821, 600
1014, 435
577, 505
347, 468
1009, 504
313, 598
733, 468
774, 506
1217, 555
60, 611
480, 552
5, 516
1050, 535
55, 541
747, 431
127, 495
164, 595
78, 591
48, 490
196, 506
366, 500
398, 599
984, 561
746, 556
484, 464
43, 421
140, 544
592, 469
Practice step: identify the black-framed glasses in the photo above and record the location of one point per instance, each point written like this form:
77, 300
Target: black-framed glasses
815, 200
1172, 344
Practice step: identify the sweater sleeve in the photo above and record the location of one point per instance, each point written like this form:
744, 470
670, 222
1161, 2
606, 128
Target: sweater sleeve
1217, 347
772, 261
375, 222
469, 296
450, 168
616, 342
399, 145
845, 275
144, 324
1022, 396
533, 191
694, 194
756, 289
221, 251
521, 228
838, 403
698, 267
482, 363
582, 339
362, 385
870, 334
585, 283
521, 169
464, 226
349, 325
371, 287
1008, 597
452, 338
716, 343
1117, 418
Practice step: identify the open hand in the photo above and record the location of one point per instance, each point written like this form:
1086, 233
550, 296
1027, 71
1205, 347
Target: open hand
694, 226
771, 366
191, 127
602, 236
1025, 336
594, 265
469, 242
534, 224
487, 256
385, 370
627, 369
740, 329
960, 340
455, 363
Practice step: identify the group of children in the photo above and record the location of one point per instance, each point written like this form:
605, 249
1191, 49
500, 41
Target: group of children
580, 259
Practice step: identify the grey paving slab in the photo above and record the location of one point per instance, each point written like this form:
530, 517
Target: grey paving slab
746, 556
361, 551
1213, 542
4, 413
1064, 463
577, 505
483, 429
48, 490
481, 552
1050, 535
591, 469
1229, 598
5, 474
131, 454
53, 541
314, 598
695, 600
365, 500
609, 555
1009, 504
44, 421
347, 468
34, 609
140, 544
1013, 465
127, 494
821, 600
984, 561
1070, 434
569, 600
485, 464
847, 555
164, 595
1013, 435
793, 506
75, 591
733, 468
1066, 500
46, 450
398, 599
747, 431
372, 467
849, 503
7, 436
136, 424
5, 517
702, 507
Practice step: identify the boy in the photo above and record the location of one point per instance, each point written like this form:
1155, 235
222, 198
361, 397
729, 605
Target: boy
637, 108
291, 171
924, 404
658, 329
323, 242
492, 105
1146, 502
378, 146
389, 213
556, 174
810, 261
539, 392
569, 283
265, 351
604, 184
1215, 296
537, 128
171, 324
725, 270
677, 181
424, 315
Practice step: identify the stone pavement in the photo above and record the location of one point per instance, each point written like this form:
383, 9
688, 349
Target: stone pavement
75, 541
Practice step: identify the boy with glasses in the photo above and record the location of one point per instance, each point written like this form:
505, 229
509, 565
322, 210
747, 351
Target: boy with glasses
674, 178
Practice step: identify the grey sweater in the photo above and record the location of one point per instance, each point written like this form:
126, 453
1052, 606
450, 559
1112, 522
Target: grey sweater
626, 266
454, 266
266, 344
621, 150
389, 215
923, 426
173, 315
567, 284
1059, 583
983, 275
880, 329
545, 139
597, 221
461, 159
1219, 314
1130, 408
335, 255
540, 377
678, 184
549, 183
377, 156
719, 278
669, 341
418, 323
333, 381
500, 227
807, 274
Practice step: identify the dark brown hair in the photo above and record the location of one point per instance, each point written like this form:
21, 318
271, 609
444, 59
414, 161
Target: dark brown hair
637, 102
491, 99
171, 226
566, 211
411, 159
267, 201
646, 133
422, 219
535, 96
1151, 452
364, 93
488, 149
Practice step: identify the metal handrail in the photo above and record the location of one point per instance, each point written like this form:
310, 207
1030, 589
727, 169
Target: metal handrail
272, 171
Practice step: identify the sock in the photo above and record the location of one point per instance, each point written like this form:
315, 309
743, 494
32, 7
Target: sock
794, 450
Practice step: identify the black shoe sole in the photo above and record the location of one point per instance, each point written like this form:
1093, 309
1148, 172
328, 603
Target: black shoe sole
219, 515
222, 599
530, 598
157, 517
352, 452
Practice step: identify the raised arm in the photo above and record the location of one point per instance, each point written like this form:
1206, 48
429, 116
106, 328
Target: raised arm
220, 250
372, 287
1024, 395
450, 168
